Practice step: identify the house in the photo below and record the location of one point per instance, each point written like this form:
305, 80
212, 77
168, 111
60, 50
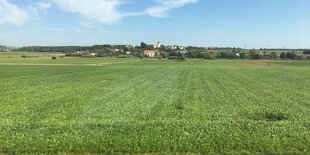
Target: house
115, 50
183, 51
176, 47
149, 53
181, 47
129, 47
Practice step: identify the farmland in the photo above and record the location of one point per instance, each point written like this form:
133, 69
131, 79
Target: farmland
105, 105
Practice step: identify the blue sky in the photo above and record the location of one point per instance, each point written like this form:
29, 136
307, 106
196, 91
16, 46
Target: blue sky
234, 23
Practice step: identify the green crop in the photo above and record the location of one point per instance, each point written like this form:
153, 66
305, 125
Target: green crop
136, 106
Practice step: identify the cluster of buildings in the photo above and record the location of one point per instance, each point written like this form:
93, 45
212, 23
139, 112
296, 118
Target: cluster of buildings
176, 47
157, 46
86, 53
156, 50
118, 50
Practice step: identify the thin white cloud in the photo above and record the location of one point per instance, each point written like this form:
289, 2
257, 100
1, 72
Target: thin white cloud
109, 12
11, 14
165, 6
37, 8
103, 11
93, 11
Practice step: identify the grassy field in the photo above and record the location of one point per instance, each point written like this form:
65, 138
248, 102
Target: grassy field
248, 51
293, 63
19, 54
134, 106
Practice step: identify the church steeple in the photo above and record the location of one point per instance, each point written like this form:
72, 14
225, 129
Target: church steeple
157, 45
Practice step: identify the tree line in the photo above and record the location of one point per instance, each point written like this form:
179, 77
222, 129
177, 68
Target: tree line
165, 52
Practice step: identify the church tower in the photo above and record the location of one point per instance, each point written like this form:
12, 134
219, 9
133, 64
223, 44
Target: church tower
157, 45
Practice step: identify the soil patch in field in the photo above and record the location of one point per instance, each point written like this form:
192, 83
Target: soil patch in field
276, 117
261, 63
271, 117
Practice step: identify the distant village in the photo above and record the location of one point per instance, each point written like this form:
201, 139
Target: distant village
159, 51
150, 51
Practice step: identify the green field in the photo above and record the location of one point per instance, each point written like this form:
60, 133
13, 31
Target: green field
294, 63
19, 54
76, 105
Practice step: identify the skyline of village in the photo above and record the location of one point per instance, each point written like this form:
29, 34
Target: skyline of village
159, 51
158, 44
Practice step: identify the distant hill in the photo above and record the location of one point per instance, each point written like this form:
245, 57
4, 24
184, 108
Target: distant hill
3, 48
68, 49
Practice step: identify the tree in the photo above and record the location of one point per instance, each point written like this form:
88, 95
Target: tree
243, 55
274, 55
141, 55
283, 55
301, 57
210, 56
173, 54
306, 51
143, 45
164, 54
253, 54
202, 55
224, 55
234, 50
126, 49
163, 48
257, 56
149, 47
291, 55
182, 57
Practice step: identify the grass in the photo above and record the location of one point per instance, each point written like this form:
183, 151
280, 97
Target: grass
134, 106
248, 51
61, 61
19, 54
294, 63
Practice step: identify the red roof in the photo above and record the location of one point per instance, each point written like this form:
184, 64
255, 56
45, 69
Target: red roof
149, 52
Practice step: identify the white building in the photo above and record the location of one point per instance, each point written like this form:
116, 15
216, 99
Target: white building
149, 53
157, 45
175, 47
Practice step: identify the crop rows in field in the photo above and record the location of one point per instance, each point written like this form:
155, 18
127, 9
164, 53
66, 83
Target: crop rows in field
155, 106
